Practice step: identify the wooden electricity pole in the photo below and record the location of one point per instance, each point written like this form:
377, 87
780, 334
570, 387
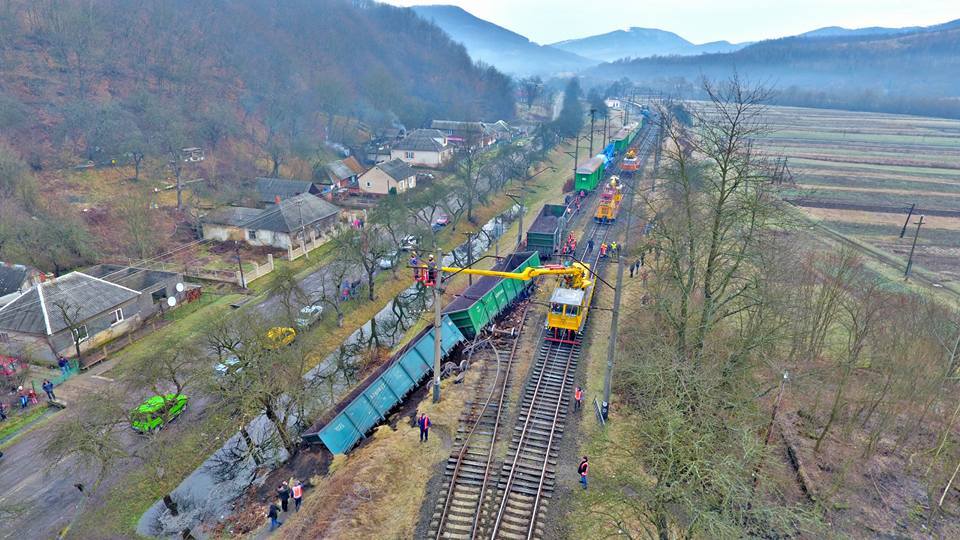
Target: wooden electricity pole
906, 274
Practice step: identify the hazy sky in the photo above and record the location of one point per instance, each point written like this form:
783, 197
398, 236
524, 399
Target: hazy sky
547, 21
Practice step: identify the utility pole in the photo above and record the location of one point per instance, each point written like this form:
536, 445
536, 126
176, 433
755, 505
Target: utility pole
236, 249
906, 274
303, 240
606, 117
176, 162
437, 331
576, 155
615, 316
903, 231
469, 236
593, 115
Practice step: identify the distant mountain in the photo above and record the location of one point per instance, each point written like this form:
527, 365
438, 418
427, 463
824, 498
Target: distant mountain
499, 47
872, 72
837, 31
640, 43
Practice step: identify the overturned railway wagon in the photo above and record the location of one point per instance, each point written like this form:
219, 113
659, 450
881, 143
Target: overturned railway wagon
489, 297
546, 234
370, 402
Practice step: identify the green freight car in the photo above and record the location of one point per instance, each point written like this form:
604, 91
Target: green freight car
490, 296
546, 234
589, 174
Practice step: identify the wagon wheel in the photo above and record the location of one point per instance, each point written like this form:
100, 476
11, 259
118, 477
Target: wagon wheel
448, 369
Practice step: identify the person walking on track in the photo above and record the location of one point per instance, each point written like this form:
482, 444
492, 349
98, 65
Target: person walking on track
577, 398
589, 245
424, 423
274, 514
297, 492
582, 470
283, 492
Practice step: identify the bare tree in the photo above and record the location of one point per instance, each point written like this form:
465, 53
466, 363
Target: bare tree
70, 312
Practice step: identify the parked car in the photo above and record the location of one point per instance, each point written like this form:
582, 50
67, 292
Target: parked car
228, 365
387, 261
157, 411
443, 221
308, 316
409, 242
280, 336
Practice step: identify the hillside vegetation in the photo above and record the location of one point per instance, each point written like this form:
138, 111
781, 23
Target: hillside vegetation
91, 77
262, 87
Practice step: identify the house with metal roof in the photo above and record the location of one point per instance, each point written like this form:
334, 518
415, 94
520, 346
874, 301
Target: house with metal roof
45, 321
280, 226
390, 175
342, 173
423, 148
16, 279
271, 190
473, 134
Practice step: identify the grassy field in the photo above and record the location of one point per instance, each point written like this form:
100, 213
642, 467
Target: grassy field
881, 161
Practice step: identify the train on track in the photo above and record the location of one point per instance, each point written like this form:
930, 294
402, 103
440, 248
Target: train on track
589, 174
609, 205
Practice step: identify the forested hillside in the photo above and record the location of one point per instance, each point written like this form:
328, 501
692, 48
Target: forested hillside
96, 79
97, 99
907, 73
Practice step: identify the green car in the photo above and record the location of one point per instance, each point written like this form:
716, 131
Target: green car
156, 411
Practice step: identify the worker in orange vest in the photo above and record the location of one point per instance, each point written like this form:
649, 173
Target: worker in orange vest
577, 398
297, 492
603, 250
424, 423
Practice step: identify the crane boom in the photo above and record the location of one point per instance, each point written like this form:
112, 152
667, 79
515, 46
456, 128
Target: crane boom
578, 271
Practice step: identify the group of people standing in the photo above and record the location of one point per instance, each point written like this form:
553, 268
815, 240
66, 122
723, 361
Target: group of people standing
285, 491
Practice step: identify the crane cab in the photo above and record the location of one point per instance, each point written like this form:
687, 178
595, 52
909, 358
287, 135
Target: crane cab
567, 313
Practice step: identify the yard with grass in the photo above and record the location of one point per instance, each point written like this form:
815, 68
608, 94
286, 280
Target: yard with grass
858, 174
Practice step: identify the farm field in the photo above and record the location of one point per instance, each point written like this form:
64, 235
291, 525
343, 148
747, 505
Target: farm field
858, 173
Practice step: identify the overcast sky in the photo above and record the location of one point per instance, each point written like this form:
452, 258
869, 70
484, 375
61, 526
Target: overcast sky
547, 21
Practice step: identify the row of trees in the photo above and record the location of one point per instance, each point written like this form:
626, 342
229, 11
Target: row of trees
742, 312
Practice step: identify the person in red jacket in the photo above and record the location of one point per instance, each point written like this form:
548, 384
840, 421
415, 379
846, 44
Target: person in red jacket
424, 423
583, 469
577, 398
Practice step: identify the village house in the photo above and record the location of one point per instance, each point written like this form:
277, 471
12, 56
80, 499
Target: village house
280, 226
473, 134
393, 175
41, 323
341, 174
271, 190
16, 279
423, 148
156, 287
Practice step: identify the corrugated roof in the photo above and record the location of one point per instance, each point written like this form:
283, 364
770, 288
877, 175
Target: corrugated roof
40, 310
423, 140
271, 188
236, 216
590, 166
287, 217
12, 277
343, 169
397, 169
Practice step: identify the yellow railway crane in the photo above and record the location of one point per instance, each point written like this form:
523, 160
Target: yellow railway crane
569, 303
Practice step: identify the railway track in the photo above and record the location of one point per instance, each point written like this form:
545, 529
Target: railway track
511, 503
470, 467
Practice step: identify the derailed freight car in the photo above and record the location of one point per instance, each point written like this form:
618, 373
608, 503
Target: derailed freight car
368, 404
485, 300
